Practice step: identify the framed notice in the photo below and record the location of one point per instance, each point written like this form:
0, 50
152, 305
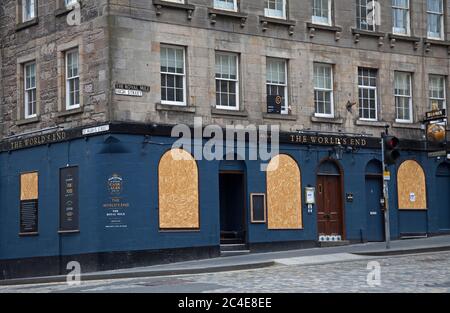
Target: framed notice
68, 200
258, 207
274, 103
28, 209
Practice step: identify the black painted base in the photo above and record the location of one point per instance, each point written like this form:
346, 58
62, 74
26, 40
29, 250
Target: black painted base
281, 246
102, 261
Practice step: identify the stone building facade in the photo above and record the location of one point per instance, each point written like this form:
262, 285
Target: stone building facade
108, 90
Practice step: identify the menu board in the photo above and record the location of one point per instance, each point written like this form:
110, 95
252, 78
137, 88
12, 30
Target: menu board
28, 216
68, 199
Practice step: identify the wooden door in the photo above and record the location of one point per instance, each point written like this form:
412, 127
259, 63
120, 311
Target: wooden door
329, 205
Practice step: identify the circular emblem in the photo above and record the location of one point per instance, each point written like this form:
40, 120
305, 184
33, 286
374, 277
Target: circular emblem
115, 184
278, 100
436, 133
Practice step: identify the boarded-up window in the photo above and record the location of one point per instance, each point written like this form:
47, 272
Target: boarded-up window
29, 203
411, 186
178, 191
284, 203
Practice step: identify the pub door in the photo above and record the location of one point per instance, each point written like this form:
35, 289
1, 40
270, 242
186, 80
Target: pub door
329, 205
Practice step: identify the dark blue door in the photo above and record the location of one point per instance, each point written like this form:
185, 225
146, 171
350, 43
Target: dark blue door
375, 218
443, 194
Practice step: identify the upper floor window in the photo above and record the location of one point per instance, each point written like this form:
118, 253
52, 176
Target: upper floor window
400, 17
68, 3
323, 90
230, 5
176, 1
276, 82
435, 19
30, 89
322, 12
28, 10
365, 15
437, 94
403, 97
275, 8
367, 93
173, 75
227, 81
72, 79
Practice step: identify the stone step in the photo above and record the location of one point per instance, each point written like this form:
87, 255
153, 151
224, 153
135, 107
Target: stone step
234, 253
324, 244
233, 247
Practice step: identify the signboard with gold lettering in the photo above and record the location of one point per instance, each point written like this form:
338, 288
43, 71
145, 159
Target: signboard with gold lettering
115, 207
68, 199
436, 132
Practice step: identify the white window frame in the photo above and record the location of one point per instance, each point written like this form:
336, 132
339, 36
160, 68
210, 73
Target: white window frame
27, 89
285, 109
408, 20
217, 5
178, 103
225, 107
176, 1
376, 97
330, 115
69, 78
69, 3
32, 3
359, 9
269, 12
444, 104
409, 97
442, 33
317, 19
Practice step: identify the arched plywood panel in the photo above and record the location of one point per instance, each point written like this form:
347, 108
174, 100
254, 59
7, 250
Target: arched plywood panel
411, 186
178, 191
284, 202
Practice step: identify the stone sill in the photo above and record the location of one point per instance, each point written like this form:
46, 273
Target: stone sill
27, 24
228, 113
331, 120
370, 123
367, 33
286, 117
174, 5
436, 42
62, 11
406, 125
70, 112
227, 13
403, 38
174, 108
324, 27
27, 121
279, 21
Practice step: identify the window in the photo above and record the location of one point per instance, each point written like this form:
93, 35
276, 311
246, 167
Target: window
176, 1
230, 5
227, 81
367, 89
322, 12
30, 89
28, 10
403, 99
323, 90
275, 8
276, 81
72, 80
400, 17
435, 19
70, 2
365, 15
173, 77
436, 85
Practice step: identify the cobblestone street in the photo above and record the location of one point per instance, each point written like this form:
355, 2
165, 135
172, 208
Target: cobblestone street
412, 273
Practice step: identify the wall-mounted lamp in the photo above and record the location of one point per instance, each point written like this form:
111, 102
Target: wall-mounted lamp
337, 152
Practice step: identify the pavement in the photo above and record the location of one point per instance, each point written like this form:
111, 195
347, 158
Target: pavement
311, 256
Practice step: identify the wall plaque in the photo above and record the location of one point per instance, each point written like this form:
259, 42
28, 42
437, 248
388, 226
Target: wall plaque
28, 217
68, 199
258, 209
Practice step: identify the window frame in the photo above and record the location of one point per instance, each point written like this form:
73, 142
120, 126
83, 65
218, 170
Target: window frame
267, 10
325, 115
430, 99
217, 7
69, 3
26, 112
69, 107
329, 17
442, 22
410, 97
169, 102
408, 19
368, 88
359, 16
237, 81
32, 12
285, 110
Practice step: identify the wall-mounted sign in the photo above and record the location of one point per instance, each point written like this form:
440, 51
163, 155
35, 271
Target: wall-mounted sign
68, 199
349, 197
310, 195
436, 132
258, 207
37, 140
387, 175
29, 217
274, 103
412, 197
115, 206
131, 90
95, 130
436, 114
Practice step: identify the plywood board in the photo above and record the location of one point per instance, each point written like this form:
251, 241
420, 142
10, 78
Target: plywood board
178, 191
29, 186
284, 203
411, 186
